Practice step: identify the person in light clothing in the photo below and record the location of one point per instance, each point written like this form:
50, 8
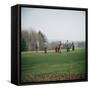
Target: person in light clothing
67, 46
37, 46
45, 47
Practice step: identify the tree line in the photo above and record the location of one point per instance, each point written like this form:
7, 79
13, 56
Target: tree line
30, 38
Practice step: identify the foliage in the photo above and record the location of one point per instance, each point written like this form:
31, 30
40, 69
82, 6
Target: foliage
32, 37
23, 45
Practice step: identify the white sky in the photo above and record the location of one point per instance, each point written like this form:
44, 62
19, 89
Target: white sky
55, 24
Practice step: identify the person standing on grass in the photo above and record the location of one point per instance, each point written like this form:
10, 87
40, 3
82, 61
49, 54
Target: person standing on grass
45, 47
37, 46
73, 46
67, 46
56, 49
59, 47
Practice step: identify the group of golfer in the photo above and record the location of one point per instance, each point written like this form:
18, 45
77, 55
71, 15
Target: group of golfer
58, 47
68, 46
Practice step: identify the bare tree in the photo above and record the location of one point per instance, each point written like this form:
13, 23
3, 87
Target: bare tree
41, 39
33, 39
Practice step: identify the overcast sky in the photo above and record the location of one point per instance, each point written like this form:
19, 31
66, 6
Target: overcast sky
55, 24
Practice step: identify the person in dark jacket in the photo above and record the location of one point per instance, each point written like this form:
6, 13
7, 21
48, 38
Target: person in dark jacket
73, 46
59, 47
56, 49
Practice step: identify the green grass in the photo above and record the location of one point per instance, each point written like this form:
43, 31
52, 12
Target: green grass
52, 66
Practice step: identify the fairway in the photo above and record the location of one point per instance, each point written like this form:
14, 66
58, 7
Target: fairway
38, 66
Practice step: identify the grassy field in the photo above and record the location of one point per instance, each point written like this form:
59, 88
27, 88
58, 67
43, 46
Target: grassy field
52, 66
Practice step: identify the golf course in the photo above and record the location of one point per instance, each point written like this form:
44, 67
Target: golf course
52, 66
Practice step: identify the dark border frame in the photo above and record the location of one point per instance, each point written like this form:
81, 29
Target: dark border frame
19, 42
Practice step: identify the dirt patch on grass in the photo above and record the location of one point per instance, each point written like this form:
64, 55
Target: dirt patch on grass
51, 77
